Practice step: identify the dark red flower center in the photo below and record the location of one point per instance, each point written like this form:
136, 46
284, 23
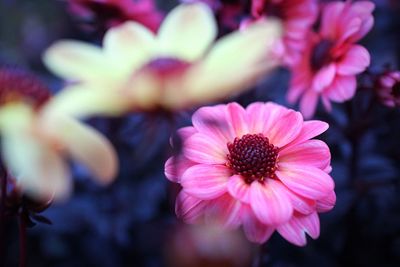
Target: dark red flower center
166, 67
396, 89
253, 157
321, 54
18, 85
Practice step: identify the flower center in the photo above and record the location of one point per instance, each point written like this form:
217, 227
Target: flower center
396, 89
320, 55
18, 85
166, 67
253, 157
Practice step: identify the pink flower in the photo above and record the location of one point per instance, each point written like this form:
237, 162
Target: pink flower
388, 88
331, 60
256, 168
110, 13
297, 17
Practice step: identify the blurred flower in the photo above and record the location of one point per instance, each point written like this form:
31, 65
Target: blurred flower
35, 140
108, 13
177, 69
207, 246
331, 60
229, 13
387, 87
297, 17
254, 167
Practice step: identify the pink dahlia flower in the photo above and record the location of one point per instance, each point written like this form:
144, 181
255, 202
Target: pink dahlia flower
110, 13
388, 88
297, 17
331, 60
256, 168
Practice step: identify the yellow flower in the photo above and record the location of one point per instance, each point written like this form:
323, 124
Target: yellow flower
36, 143
178, 68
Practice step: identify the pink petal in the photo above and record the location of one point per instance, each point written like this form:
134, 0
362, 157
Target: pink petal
189, 208
212, 121
175, 167
342, 89
306, 181
327, 203
270, 202
286, 129
295, 230
206, 181
309, 153
355, 61
324, 77
330, 16
308, 104
262, 116
237, 119
186, 132
239, 189
204, 149
224, 211
301, 204
310, 130
254, 229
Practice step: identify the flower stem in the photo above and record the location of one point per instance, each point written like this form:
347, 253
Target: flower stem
22, 240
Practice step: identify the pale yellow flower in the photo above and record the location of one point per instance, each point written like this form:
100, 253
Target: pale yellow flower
179, 67
35, 146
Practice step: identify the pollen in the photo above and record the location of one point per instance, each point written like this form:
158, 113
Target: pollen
252, 157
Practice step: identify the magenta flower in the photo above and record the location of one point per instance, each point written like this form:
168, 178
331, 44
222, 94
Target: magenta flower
297, 17
331, 60
388, 88
256, 168
109, 13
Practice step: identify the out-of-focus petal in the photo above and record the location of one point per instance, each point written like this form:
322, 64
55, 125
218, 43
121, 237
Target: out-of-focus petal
39, 169
355, 61
187, 31
128, 45
342, 89
77, 61
236, 71
85, 145
81, 101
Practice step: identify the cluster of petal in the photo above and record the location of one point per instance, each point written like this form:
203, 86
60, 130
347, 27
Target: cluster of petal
388, 88
109, 13
35, 141
180, 67
288, 202
297, 17
332, 59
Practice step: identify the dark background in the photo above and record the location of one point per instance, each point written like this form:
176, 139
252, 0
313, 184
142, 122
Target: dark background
130, 222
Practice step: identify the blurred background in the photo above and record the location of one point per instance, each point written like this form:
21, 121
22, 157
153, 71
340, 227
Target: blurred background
132, 222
